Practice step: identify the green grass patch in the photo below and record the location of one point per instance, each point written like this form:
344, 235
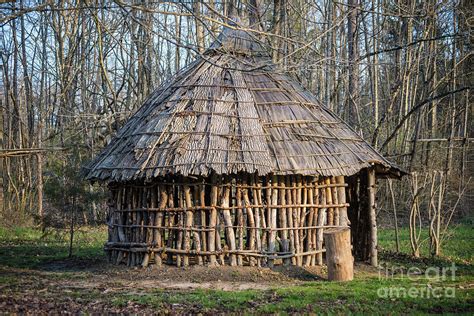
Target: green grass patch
206, 300
366, 296
29, 247
457, 246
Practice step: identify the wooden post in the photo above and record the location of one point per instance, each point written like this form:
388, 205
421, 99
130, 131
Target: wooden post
213, 223
372, 216
239, 221
273, 220
292, 232
230, 234
338, 254
251, 232
321, 222
341, 194
254, 181
309, 234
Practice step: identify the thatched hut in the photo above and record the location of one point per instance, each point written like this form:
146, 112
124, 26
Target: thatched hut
232, 162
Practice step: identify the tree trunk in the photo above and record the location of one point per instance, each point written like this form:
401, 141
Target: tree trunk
372, 216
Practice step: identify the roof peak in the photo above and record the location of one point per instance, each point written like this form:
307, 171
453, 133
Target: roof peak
238, 40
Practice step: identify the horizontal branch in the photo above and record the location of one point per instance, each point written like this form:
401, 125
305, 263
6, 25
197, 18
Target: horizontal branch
398, 47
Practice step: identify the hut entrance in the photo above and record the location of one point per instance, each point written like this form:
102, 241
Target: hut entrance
224, 220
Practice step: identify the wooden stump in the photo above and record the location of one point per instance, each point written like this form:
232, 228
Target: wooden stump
338, 254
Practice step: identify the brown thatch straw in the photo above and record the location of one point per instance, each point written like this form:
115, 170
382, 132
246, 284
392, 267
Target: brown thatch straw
228, 112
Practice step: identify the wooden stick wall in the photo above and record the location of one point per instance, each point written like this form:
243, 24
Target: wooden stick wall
245, 220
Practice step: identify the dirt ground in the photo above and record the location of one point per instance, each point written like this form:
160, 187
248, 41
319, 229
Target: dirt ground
170, 277
75, 286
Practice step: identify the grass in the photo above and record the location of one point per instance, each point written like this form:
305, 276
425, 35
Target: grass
359, 296
458, 246
370, 292
30, 247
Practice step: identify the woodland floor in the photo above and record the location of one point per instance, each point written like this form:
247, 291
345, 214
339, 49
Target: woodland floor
37, 277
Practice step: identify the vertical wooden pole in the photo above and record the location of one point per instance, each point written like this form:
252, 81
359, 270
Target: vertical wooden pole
321, 222
159, 221
273, 218
189, 228
240, 221
341, 194
254, 181
303, 231
285, 242
282, 211
263, 212
372, 216
188, 224
290, 210
330, 212
181, 225
230, 234
315, 220
213, 222
172, 234
335, 200
268, 213
201, 195
297, 219
309, 234
251, 231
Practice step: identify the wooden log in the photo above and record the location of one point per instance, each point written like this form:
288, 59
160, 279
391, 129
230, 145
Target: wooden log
372, 216
290, 223
297, 217
268, 213
218, 238
282, 211
321, 222
283, 217
201, 195
254, 181
240, 223
230, 234
181, 221
335, 200
190, 224
341, 194
120, 205
302, 219
158, 238
309, 237
172, 235
273, 219
213, 223
150, 220
251, 232
315, 221
263, 212
330, 211
339, 258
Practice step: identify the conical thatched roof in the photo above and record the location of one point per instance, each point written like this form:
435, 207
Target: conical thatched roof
230, 111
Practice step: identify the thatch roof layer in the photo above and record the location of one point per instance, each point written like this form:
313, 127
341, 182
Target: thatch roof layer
231, 111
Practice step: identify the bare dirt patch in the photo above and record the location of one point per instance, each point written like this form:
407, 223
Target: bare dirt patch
169, 277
